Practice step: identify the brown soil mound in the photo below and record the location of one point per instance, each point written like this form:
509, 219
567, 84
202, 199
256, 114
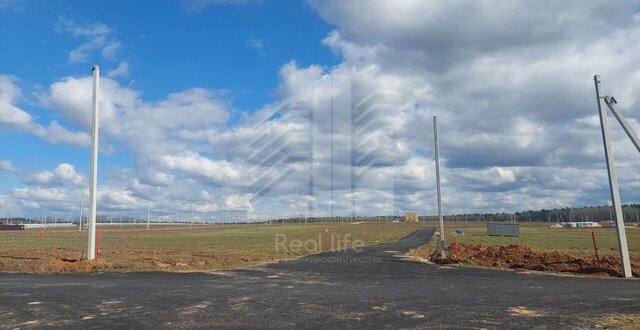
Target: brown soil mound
56, 265
522, 257
56, 260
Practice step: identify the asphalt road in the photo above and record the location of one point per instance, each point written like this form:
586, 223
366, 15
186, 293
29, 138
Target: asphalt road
368, 289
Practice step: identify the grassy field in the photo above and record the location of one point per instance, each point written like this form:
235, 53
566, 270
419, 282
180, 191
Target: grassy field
200, 248
619, 321
543, 238
218, 247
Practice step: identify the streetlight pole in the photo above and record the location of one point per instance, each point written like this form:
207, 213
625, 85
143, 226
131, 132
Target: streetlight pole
437, 155
148, 207
91, 248
80, 220
613, 178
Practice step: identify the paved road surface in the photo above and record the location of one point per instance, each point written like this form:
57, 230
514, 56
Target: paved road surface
366, 289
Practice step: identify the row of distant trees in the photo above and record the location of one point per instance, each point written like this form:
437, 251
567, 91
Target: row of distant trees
53, 219
592, 213
631, 213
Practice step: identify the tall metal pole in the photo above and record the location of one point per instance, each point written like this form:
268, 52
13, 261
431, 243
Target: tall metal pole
148, 206
80, 221
91, 247
440, 218
613, 180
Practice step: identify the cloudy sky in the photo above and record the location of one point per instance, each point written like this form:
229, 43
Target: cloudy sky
283, 108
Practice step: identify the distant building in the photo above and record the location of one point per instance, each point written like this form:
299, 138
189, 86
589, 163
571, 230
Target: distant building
410, 217
582, 224
608, 224
503, 229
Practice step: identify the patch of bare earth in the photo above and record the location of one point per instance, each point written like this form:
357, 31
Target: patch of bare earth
523, 257
56, 260
619, 321
523, 311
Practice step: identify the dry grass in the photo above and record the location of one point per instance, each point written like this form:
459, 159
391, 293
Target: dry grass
619, 321
543, 238
182, 249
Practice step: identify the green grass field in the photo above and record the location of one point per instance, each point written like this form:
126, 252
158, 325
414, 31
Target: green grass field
206, 247
220, 247
543, 238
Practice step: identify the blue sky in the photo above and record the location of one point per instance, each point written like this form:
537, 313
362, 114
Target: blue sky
282, 108
237, 49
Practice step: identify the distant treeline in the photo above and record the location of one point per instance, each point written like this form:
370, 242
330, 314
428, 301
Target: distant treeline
52, 219
630, 212
592, 213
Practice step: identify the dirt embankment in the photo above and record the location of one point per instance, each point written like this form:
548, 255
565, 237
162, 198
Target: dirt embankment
522, 257
56, 260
